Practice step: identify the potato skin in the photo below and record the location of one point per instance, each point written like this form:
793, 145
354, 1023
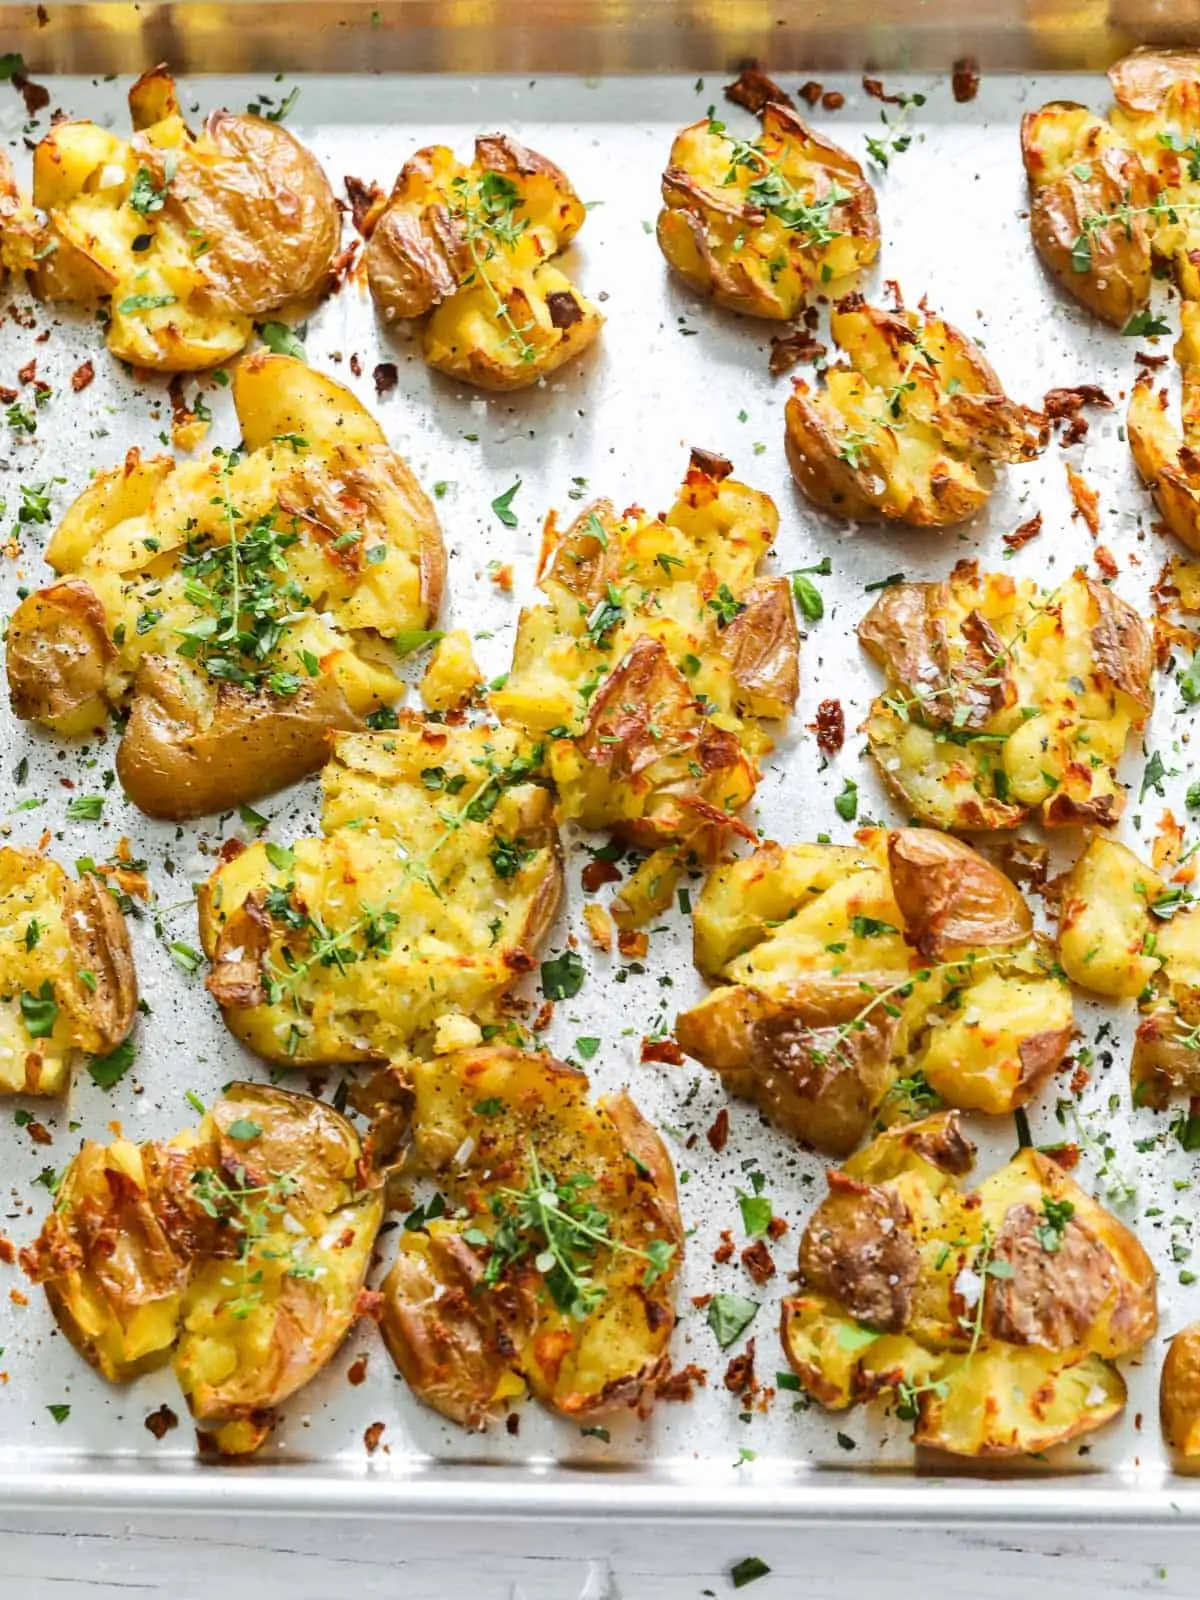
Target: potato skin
464, 1346
57, 658
150, 1254
898, 1252
1179, 1392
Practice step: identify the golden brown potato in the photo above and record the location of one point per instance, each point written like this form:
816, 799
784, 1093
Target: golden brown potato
1003, 700
67, 983
436, 880
1127, 932
1179, 1392
990, 1320
472, 247
1168, 458
865, 981
237, 1251
1113, 197
762, 225
188, 238
911, 428
650, 670
570, 1299
324, 537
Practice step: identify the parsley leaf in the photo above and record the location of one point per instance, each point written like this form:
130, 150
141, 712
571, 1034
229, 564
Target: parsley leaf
502, 506
729, 1315
562, 978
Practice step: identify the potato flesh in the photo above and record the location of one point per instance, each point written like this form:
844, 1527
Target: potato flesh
535, 1104
776, 923
670, 577
1059, 739
462, 931
1164, 453
973, 1392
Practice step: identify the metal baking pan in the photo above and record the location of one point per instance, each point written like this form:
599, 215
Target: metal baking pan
600, 86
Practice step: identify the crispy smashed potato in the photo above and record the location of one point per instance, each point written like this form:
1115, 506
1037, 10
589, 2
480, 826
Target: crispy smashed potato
764, 224
436, 879
911, 427
184, 238
472, 247
1179, 1392
569, 1299
1114, 197
67, 984
236, 1251
1167, 457
1004, 700
990, 1320
651, 669
1128, 932
316, 529
869, 980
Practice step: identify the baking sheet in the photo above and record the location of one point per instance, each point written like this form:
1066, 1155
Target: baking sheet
669, 372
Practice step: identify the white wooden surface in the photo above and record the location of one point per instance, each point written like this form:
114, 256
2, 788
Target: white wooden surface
259, 1559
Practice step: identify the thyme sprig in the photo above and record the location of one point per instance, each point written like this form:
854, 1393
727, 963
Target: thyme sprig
772, 191
252, 1211
1122, 215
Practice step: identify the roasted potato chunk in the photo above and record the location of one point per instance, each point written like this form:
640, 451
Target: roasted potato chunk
187, 237
911, 427
237, 1251
1179, 1392
763, 224
1127, 932
658, 656
1168, 458
1115, 196
238, 607
1004, 701
856, 981
436, 879
569, 1297
67, 984
990, 1320
471, 247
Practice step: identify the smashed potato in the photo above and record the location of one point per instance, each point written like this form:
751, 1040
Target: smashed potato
568, 1297
990, 1320
236, 1251
763, 224
911, 428
1168, 458
67, 983
436, 879
314, 533
1114, 197
186, 238
472, 247
1179, 1392
653, 666
869, 979
1127, 932
1003, 700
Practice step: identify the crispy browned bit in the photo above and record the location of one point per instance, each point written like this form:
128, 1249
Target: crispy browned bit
365, 199
82, 376
501, 577
776, 1228
369, 1303
35, 95
597, 873
830, 727
355, 364
790, 348
1065, 406
811, 92
739, 1374
8, 1251
964, 79
681, 1385
1080, 1079
633, 943
7, 395
758, 1261
724, 1251
28, 372
1025, 861
160, 1422
43, 17
181, 412
754, 90
1065, 1156
39, 1134
1087, 500
665, 1050
372, 1436
512, 1423
1145, 359
718, 1134
565, 311
357, 1372
833, 100
1106, 561
1020, 537
386, 377
874, 87
544, 1016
